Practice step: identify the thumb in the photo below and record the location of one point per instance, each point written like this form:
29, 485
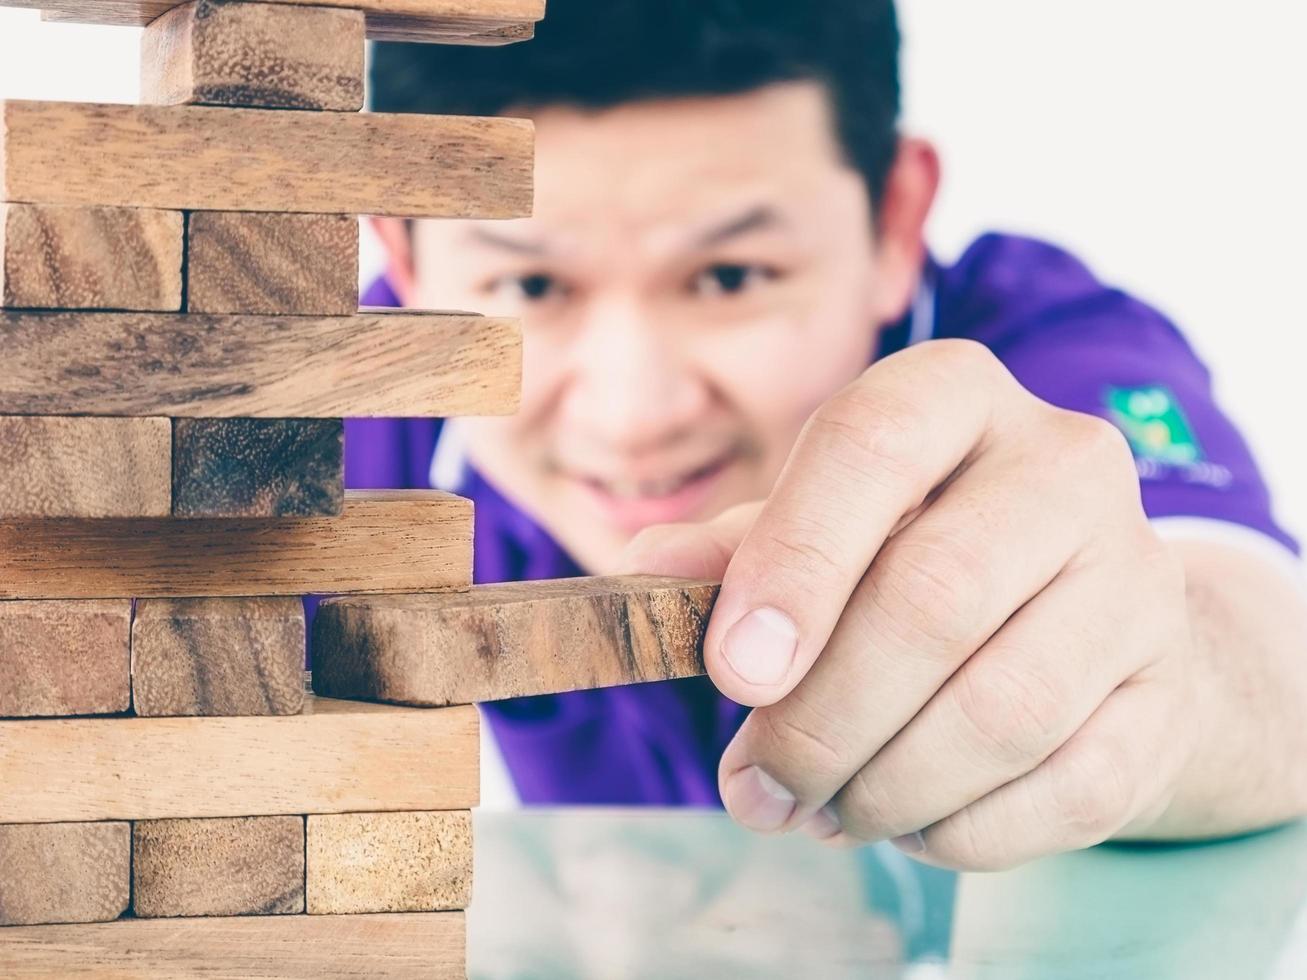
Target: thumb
699, 551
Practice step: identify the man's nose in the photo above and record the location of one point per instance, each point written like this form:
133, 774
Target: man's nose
633, 383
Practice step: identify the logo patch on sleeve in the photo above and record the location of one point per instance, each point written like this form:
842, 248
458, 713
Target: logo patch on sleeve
1154, 424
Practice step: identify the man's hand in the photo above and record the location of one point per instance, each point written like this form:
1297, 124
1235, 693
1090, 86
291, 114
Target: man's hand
954, 621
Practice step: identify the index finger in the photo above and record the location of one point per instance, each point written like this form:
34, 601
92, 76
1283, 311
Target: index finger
865, 459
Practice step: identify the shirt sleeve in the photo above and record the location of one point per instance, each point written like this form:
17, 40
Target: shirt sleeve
1083, 346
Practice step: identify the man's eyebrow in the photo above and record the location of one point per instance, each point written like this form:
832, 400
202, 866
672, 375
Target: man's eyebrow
487, 237
757, 218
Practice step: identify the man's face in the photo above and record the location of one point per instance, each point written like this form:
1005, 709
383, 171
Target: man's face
699, 276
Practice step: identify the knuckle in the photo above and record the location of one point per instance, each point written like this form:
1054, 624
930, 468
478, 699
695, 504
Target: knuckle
801, 748
1099, 444
869, 433
1009, 714
962, 843
932, 591
865, 807
963, 356
1093, 795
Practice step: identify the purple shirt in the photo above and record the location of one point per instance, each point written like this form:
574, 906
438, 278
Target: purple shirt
1066, 337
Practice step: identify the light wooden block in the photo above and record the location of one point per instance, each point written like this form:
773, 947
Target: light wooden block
272, 263
441, 21
204, 158
200, 366
90, 258
217, 656
224, 866
84, 467
336, 757
384, 541
220, 52
65, 658
515, 640
286, 947
258, 467
62, 872
389, 862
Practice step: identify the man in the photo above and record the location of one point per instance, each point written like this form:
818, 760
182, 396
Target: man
958, 626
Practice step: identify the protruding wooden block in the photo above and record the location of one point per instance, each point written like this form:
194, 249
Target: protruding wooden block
440, 21
219, 52
389, 862
218, 657
258, 467
90, 258
62, 872
64, 658
384, 541
205, 158
84, 467
335, 757
507, 641
415, 365
287, 947
272, 264
225, 866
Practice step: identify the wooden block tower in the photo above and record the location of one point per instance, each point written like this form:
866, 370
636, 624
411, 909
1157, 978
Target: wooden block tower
180, 339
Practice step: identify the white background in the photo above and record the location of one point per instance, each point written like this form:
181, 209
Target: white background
1161, 140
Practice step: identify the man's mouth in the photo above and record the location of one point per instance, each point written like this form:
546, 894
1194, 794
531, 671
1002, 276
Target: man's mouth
633, 503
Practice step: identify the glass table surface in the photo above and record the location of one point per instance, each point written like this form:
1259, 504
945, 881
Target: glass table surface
593, 893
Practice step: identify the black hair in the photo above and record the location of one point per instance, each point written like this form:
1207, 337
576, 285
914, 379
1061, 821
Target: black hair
597, 54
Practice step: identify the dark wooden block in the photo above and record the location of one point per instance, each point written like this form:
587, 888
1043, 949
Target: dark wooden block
506, 641
258, 467
218, 656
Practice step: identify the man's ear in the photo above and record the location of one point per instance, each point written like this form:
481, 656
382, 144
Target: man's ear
901, 224
401, 271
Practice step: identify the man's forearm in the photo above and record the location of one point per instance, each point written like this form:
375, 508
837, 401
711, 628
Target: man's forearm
1249, 622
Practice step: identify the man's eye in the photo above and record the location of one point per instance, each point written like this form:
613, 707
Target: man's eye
532, 288
727, 279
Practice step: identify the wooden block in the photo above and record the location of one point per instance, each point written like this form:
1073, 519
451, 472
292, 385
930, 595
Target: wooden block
258, 467
389, 862
272, 263
84, 467
428, 946
201, 366
385, 541
224, 866
62, 872
65, 658
336, 757
216, 52
90, 258
218, 657
508, 641
203, 158
443, 21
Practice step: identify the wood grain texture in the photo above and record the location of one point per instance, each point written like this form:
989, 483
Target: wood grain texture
272, 263
389, 862
206, 158
201, 366
428, 946
272, 56
436, 21
84, 467
506, 641
223, 866
336, 757
385, 541
258, 467
218, 656
90, 258
62, 872
65, 658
